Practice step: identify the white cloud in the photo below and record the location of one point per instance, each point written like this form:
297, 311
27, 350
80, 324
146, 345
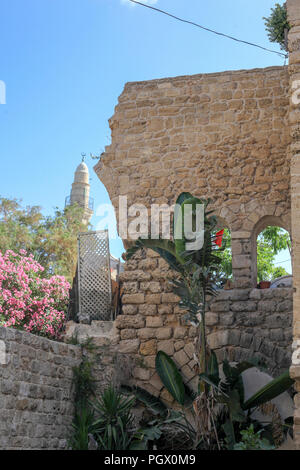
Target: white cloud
148, 2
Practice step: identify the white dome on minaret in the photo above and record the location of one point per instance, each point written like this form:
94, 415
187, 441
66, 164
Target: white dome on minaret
82, 174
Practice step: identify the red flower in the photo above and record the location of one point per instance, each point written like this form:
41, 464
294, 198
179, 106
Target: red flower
219, 237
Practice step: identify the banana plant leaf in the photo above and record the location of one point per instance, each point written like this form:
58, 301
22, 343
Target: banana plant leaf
229, 432
213, 366
211, 380
149, 400
273, 389
170, 376
180, 243
234, 406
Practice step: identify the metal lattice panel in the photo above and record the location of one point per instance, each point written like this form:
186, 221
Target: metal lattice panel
94, 275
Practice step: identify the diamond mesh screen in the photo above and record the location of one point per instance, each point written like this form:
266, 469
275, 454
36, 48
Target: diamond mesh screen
94, 282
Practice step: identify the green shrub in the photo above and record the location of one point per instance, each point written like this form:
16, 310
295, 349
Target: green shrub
252, 440
277, 25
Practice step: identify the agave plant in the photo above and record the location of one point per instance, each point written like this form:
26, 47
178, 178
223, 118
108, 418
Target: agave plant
197, 271
81, 428
113, 426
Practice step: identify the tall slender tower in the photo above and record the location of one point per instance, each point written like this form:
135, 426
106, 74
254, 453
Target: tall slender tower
80, 192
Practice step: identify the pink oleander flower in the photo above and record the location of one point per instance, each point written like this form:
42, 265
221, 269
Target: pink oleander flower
28, 301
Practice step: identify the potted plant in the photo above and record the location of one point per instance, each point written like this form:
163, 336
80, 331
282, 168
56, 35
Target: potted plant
264, 284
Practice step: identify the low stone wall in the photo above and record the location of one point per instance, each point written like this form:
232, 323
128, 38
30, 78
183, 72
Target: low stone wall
241, 323
36, 395
110, 366
36, 408
258, 322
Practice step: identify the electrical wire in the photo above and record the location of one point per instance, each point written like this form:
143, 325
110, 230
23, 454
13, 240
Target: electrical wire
281, 54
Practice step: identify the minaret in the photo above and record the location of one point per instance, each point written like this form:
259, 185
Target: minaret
80, 192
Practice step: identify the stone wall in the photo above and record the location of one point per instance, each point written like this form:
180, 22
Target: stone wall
36, 408
293, 7
36, 393
223, 136
257, 322
241, 323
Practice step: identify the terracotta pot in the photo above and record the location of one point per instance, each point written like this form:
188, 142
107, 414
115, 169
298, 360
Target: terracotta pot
264, 284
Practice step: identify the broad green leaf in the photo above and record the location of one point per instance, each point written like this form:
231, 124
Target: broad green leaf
272, 390
152, 402
229, 432
170, 376
234, 406
209, 379
180, 243
213, 366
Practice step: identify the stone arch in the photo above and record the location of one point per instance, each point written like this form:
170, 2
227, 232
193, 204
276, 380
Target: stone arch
237, 345
260, 225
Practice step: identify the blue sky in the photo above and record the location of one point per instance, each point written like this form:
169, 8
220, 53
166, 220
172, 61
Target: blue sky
65, 62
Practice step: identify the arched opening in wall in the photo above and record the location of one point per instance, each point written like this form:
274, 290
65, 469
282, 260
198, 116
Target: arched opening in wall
224, 252
271, 254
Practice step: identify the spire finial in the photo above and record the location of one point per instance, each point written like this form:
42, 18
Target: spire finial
83, 155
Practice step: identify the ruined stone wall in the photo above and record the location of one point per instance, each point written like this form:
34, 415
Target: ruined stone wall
224, 136
241, 324
36, 406
253, 322
293, 7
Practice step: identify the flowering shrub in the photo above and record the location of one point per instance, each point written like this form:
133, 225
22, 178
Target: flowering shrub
28, 301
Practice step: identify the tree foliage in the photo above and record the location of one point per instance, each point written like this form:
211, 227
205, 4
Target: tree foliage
277, 25
271, 241
52, 239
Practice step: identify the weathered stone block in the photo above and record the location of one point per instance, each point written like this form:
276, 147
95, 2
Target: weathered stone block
180, 332
220, 306
147, 309
164, 333
141, 373
153, 287
130, 287
166, 346
146, 333
128, 333
154, 322
170, 298
133, 298
129, 346
211, 318
218, 339
129, 309
153, 299
130, 321
181, 358
148, 348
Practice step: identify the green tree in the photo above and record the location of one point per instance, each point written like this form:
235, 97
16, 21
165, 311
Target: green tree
277, 25
52, 239
226, 255
270, 242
